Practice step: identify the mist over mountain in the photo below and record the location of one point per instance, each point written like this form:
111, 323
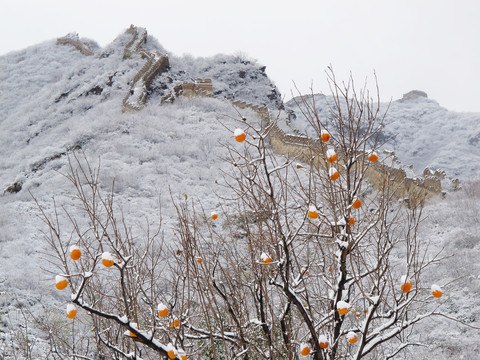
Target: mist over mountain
56, 99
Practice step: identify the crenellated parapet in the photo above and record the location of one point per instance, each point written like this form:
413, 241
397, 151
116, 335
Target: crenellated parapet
127, 52
386, 174
200, 87
73, 40
155, 65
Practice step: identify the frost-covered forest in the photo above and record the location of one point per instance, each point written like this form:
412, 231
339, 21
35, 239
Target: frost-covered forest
54, 101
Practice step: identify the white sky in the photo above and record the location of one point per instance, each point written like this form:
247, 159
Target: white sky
429, 45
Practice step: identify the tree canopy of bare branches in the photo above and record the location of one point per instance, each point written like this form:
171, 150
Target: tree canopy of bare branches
303, 261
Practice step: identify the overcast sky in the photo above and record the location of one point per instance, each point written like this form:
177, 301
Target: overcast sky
429, 45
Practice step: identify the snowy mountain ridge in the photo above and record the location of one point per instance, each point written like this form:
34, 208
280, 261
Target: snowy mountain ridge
55, 99
421, 133
291, 145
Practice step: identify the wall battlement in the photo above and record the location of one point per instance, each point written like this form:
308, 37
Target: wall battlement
305, 149
381, 175
73, 40
202, 87
155, 65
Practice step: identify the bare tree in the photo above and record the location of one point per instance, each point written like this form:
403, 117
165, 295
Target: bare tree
304, 260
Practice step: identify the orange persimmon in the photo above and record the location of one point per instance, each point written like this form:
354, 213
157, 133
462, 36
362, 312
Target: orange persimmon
324, 135
265, 259
71, 311
357, 203
312, 212
162, 310
437, 291
175, 324
373, 156
182, 354
304, 349
331, 156
333, 173
343, 307
406, 284
323, 342
134, 325
75, 252
240, 135
107, 259
351, 337
61, 282
171, 351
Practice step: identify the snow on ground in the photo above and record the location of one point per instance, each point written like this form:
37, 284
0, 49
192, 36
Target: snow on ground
51, 101
452, 226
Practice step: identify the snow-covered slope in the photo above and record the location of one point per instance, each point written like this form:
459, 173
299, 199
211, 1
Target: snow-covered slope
452, 228
54, 99
426, 135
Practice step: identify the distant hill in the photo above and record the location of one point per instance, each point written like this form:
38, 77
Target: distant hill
421, 133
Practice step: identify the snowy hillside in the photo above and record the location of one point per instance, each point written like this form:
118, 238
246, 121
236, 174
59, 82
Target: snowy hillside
421, 133
53, 99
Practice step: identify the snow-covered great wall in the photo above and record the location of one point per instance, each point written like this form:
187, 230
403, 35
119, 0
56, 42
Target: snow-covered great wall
301, 147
